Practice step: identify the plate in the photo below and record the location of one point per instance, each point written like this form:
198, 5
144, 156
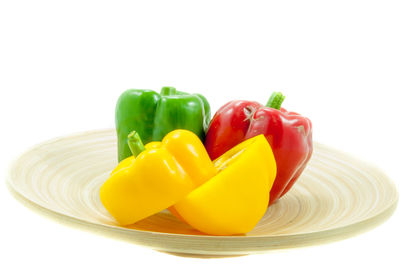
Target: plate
336, 197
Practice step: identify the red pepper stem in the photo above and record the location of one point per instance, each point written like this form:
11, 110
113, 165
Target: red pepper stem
135, 143
167, 91
275, 101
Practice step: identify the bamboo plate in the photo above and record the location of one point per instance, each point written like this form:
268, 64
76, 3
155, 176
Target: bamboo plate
336, 197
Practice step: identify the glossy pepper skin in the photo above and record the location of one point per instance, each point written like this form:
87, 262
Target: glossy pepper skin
158, 176
288, 133
235, 199
154, 115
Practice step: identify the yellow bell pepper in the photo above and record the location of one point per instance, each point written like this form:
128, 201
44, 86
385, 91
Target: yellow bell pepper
225, 197
236, 198
161, 174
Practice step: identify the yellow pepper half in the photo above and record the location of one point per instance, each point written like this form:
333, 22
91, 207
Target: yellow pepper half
234, 200
162, 174
225, 197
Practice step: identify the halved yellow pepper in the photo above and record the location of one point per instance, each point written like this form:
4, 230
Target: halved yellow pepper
234, 200
225, 197
162, 174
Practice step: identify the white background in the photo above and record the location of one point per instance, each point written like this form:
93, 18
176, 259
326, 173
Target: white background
63, 64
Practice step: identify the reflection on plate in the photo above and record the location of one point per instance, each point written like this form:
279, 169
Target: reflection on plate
336, 197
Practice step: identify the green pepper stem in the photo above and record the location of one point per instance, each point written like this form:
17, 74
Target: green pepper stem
135, 143
166, 91
275, 101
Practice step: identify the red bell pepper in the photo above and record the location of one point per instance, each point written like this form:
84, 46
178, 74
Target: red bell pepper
288, 133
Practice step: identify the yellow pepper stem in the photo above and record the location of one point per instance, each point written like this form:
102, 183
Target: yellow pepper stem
135, 143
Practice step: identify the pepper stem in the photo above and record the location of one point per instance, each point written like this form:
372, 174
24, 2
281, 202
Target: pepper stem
166, 91
275, 101
135, 143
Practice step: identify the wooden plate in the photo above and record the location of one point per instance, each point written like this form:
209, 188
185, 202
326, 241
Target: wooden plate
336, 197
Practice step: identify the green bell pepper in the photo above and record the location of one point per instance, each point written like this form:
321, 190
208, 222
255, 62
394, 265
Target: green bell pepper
154, 115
